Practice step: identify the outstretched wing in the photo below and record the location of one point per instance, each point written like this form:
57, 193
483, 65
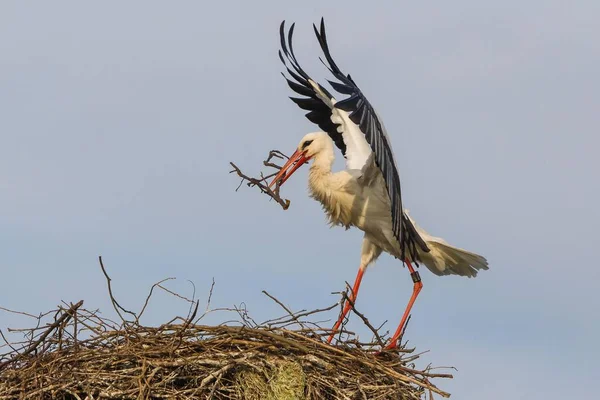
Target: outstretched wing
364, 116
320, 106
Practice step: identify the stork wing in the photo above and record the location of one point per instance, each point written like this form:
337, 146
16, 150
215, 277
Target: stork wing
364, 116
320, 106
356, 128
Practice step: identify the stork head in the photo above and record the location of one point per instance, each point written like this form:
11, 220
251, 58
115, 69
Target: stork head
310, 146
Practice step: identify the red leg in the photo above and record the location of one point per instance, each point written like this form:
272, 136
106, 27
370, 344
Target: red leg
352, 299
418, 285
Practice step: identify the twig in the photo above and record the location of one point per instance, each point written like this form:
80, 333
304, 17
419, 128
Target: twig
404, 328
186, 325
7, 342
18, 312
294, 317
176, 294
284, 319
364, 319
247, 320
274, 154
63, 318
137, 320
261, 182
210, 293
114, 301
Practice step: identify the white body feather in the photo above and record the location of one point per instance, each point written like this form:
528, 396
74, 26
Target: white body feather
358, 197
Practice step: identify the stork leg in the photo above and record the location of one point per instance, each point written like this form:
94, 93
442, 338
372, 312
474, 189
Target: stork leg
351, 299
418, 285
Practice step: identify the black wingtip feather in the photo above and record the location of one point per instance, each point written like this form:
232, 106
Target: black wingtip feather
341, 88
300, 89
290, 33
282, 37
310, 104
320, 112
348, 104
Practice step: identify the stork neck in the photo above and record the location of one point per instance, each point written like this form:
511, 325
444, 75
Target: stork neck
322, 162
329, 189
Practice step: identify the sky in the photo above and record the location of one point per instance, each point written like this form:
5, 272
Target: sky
118, 121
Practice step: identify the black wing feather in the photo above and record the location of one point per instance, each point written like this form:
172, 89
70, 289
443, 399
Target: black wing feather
338, 87
308, 104
303, 90
363, 115
319, 112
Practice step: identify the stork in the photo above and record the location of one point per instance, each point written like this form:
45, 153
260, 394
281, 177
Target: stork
365, 195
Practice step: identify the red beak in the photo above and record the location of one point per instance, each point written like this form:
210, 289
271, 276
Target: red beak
293, 163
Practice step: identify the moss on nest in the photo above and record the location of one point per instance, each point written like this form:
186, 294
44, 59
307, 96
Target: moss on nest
286, 380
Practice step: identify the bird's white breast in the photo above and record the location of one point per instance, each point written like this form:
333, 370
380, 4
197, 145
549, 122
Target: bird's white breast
348, 203
335, 195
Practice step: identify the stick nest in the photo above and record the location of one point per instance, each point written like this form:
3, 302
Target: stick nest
79, 354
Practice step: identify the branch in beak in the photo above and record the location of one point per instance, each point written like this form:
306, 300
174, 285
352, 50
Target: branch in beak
295, 161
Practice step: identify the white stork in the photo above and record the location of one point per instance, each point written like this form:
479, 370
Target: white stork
367, 194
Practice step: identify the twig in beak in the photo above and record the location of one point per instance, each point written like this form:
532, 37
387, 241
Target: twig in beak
261, 182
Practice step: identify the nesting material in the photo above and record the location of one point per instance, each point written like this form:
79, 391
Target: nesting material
261, 181
193, 361
81, 355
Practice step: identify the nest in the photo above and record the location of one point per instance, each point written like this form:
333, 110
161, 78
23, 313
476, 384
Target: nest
80, 354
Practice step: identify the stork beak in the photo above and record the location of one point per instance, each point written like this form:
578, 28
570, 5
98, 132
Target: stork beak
293, 163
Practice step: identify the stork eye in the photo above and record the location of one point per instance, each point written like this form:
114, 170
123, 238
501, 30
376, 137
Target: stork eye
306, 144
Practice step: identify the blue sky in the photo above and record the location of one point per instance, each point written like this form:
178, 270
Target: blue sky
119, 120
